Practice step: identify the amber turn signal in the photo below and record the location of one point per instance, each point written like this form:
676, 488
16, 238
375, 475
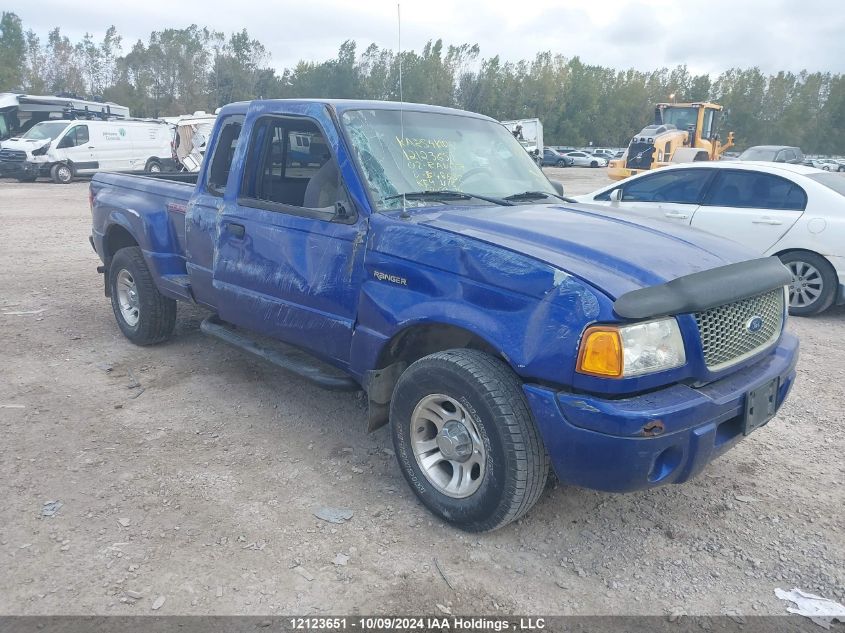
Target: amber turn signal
601, 352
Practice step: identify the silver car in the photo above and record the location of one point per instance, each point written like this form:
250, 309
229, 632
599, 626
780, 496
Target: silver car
583, 159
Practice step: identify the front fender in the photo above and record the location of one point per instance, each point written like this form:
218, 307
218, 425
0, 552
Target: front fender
531, 313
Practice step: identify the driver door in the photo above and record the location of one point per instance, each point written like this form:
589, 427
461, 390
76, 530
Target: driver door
75, 146
286, 262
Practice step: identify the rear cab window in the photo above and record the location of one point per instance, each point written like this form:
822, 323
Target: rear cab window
224, 152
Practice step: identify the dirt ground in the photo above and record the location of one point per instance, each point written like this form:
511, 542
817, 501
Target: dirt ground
190, 472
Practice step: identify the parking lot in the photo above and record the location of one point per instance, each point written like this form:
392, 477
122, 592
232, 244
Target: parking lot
190, 472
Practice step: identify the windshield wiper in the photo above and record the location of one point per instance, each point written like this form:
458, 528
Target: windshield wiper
446, 194
535, 195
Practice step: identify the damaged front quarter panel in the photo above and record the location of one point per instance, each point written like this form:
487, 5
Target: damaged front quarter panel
531, 313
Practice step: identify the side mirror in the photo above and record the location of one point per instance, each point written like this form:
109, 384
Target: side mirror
616, 195
558, 186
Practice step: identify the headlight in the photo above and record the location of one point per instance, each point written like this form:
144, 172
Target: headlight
41, 150
631, 350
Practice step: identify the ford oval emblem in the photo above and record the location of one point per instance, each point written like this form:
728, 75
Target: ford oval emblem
754, 324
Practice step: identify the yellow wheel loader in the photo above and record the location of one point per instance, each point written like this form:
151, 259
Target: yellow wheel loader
681, 133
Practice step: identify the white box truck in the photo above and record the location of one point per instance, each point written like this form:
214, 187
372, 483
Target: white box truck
529, 133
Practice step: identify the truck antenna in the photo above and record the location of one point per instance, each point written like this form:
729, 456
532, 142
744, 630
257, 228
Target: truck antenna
405, 214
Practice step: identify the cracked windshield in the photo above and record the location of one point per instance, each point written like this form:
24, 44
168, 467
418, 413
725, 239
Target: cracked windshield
421, 152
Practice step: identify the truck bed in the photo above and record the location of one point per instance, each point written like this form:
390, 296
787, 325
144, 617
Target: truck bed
153, 209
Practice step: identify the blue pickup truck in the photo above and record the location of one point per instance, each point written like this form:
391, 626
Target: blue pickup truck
500, 329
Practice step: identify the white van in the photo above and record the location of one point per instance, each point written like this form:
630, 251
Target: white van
63, 149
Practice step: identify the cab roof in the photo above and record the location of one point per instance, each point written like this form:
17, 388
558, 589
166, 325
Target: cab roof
342, 105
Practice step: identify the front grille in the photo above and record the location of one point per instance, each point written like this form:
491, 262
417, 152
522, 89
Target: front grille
640, 155
12, 154
726, 338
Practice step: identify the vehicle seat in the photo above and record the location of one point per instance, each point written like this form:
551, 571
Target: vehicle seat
321, 191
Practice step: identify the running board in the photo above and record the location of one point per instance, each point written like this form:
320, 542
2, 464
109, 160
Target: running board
283, 356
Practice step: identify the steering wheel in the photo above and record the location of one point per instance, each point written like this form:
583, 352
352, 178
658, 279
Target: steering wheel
472, 172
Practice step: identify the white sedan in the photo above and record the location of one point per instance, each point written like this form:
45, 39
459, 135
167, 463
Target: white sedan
583, 159
792, 211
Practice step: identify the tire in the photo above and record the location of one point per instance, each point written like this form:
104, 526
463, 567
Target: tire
594, 164
508, 466
814, 284
62, 173
841, 168
146, 317
153, 166
826, 168
561, 163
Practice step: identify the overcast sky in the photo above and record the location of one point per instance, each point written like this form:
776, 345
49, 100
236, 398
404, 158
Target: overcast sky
708, 36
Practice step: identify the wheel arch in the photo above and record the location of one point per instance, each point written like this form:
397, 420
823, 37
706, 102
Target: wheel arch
117, 236
784, 251
410, 343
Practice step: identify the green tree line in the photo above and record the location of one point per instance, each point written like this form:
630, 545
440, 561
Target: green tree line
182, 70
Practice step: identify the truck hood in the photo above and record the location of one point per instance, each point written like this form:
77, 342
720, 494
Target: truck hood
605, 248
25, 144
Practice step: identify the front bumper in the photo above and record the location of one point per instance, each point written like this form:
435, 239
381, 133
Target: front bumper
606, 444
19, 169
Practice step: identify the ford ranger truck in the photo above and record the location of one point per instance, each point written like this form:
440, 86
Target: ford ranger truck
418, 254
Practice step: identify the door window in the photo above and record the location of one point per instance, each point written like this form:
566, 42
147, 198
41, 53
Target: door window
290, 165
756, 190
76, 136
681, 186
224, 152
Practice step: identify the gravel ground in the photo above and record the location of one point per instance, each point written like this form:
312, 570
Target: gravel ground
189, 472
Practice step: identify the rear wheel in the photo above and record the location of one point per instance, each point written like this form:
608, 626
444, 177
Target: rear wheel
814, 283
62, 174
143, 314
153, 166
465, 439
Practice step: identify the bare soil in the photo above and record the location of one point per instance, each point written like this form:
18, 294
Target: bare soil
191, 472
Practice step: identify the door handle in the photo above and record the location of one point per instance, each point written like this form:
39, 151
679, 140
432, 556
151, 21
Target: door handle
766, 220
676, 215
237, 230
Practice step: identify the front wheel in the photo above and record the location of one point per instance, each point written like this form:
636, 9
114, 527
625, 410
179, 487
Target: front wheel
143, 314
814, 283
466, 441
594, 164
62, 174
561, 163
